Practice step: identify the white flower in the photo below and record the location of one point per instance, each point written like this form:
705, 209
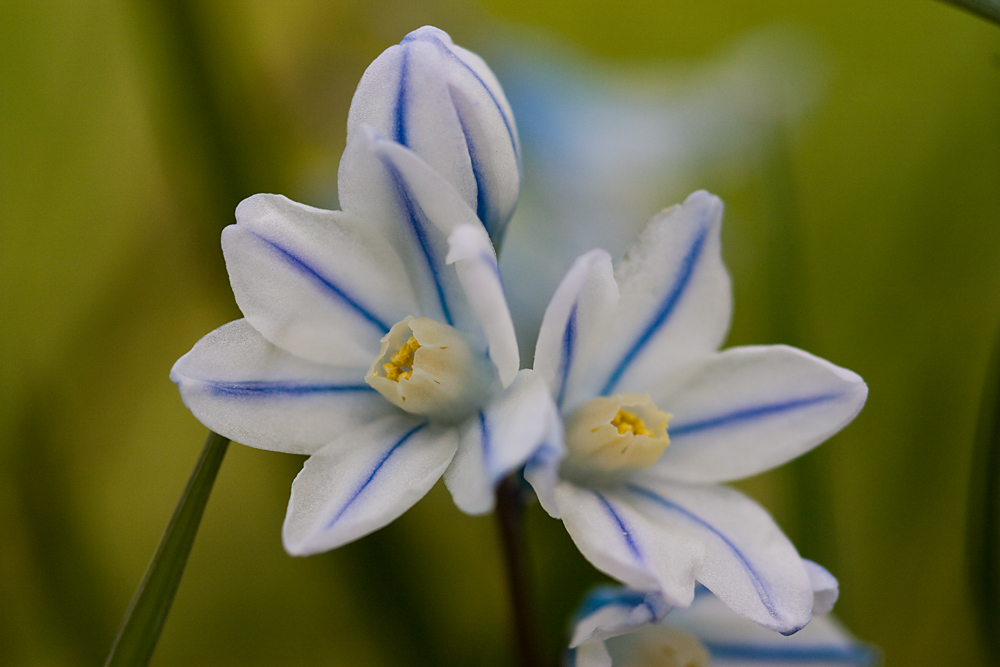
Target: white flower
626, 628
376, 339
630, 355
443, 103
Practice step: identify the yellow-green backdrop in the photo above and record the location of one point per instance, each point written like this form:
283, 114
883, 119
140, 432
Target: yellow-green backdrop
130, 130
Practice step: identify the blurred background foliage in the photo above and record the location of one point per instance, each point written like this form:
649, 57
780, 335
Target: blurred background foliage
864, 229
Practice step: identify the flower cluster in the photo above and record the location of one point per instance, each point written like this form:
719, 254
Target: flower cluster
377, 340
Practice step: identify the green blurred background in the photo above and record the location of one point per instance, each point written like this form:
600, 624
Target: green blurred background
129, 131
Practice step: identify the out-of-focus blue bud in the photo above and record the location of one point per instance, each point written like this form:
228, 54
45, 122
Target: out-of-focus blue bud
443, 102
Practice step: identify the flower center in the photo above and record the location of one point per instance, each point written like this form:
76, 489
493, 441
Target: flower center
621, 432
665, 646
400, 366
629, 422
427, 368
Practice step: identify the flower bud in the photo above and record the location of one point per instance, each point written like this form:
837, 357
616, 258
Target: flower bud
443, 102
427, 368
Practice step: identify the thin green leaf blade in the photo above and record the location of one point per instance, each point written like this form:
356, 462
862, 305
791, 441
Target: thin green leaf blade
148, 610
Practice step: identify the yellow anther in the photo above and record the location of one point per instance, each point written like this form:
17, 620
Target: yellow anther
446, 381
620, 432
630, 422
400, 366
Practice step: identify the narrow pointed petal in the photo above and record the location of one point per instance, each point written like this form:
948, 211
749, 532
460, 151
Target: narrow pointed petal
500, 439
609, 611
826, 588
415, 209
736, 642
320, 284
443, 102
750, 409
675, 299
748, 562
239, 385
471, 251
363, 481
624, 543
575, 322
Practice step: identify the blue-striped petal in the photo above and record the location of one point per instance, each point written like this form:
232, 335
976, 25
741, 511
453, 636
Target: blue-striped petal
735, 642
475, 261
575, 323
363, 481
626, 544
608, 611
320, 284
445, 104
750, 409
675, 300
724, 639
249, 390
748, 562
415, 209
499, 439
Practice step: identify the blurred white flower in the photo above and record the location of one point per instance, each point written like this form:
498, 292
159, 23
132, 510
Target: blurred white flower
629, 353
626, 628
376, 339
605, 144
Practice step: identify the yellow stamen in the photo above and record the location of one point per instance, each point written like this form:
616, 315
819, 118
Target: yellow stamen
620, 432
630, 422
400, 366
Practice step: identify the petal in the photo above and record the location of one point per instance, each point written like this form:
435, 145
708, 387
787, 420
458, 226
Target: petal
499, 439
415, 209
748, 562
624, 543
736, 642
589, 654
443, 102
574, 322
319, 284
825, 587
363, 480
749, 409
238, 384
608, 611
675, 299
471, 251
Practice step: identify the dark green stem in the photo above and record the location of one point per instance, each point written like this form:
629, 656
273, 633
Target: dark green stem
148, 611
987, 9
510, 515
984, 514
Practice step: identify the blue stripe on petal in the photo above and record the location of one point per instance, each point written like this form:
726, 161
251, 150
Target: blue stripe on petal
758, 583
402, 100
632, 546
485, 206
566, 354
508, 123
417, 221
604, 596
378, 466
486, 441
339, 292
749, 414
770, 654
264, 389
681, 281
